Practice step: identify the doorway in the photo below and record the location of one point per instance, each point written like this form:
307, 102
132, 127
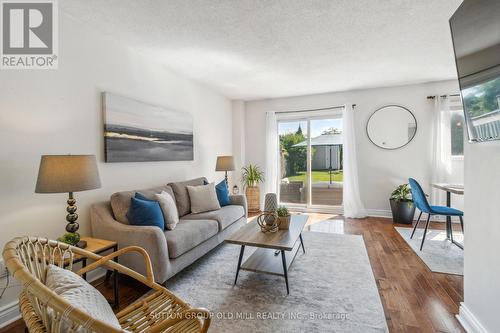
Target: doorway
310, 167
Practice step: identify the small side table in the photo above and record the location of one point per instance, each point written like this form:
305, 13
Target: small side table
99, 246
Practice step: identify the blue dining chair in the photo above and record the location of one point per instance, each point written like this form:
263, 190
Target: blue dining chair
421, 203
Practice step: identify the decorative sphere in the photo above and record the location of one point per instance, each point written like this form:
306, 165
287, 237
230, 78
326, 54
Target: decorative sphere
71, 209
72, 227
268, 222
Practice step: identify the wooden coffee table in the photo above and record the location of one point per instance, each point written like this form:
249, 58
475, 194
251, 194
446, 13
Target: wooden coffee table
266, 258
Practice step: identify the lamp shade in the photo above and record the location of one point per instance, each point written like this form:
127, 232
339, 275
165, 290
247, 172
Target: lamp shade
224, 163
67, 173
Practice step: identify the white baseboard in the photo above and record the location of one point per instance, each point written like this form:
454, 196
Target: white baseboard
388, 214
322, 210
379, 213
384, 213
9, 313
339, 210
469, 321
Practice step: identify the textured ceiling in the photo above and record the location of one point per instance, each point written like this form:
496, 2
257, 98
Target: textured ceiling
252, 49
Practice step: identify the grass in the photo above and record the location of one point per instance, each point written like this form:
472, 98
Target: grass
319, 176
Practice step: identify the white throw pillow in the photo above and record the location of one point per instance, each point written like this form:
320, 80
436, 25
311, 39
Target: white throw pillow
169, 209
80, 294
203, 198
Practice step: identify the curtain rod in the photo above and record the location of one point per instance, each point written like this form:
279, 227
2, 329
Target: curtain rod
310, 110
444, 96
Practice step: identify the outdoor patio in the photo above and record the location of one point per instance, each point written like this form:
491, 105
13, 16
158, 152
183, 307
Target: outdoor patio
323, 193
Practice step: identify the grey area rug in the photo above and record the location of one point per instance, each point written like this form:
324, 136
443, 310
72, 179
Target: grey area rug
439, 254
332, 289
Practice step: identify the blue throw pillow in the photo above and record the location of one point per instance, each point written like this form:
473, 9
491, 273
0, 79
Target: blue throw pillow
141, 196
223, 193
145, 212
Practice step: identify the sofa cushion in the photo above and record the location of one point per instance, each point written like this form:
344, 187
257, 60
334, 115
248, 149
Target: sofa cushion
188, 234
181, 194
203, 198
225, 216
169, 209
223, 193
145, 212
120, 201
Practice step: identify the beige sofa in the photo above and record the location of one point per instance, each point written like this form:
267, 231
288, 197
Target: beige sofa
170, 250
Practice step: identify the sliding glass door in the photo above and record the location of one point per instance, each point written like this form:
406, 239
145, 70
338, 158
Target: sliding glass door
326, 162
310, 161
293, 162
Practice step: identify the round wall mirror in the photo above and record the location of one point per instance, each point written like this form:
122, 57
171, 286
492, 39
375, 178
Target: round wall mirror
391, 127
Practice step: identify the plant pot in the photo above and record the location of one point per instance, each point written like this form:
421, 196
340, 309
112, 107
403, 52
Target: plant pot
284, 222
402, 211
253, 198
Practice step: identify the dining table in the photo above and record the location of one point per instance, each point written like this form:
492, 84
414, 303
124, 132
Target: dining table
450, 189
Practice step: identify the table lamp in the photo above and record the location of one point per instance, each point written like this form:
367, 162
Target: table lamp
225, 163
68, 174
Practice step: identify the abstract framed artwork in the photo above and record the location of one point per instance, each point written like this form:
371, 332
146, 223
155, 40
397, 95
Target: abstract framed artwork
135, 131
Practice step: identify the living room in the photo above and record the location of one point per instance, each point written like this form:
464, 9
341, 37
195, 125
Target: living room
312, 141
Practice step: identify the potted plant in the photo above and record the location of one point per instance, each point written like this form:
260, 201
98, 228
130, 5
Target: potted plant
252, 177
402, 206
283, 217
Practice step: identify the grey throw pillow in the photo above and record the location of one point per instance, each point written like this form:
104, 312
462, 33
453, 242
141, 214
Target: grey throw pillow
169, 209
203, 198
181, 194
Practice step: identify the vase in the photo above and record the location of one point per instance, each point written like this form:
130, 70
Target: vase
271, 203
253, 198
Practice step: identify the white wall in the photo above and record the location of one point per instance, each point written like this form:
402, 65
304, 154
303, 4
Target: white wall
59, 112
482, 242
379, 170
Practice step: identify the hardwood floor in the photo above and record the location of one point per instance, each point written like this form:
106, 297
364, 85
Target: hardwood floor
414, 298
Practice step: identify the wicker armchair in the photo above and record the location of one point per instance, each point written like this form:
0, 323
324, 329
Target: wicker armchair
43, 310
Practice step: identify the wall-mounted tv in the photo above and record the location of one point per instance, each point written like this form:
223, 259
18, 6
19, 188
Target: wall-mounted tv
475, 29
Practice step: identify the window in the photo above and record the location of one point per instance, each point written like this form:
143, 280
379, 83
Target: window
457, 133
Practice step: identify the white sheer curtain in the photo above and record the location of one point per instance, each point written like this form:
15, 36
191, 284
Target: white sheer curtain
271, 175
442, 161
353, 206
